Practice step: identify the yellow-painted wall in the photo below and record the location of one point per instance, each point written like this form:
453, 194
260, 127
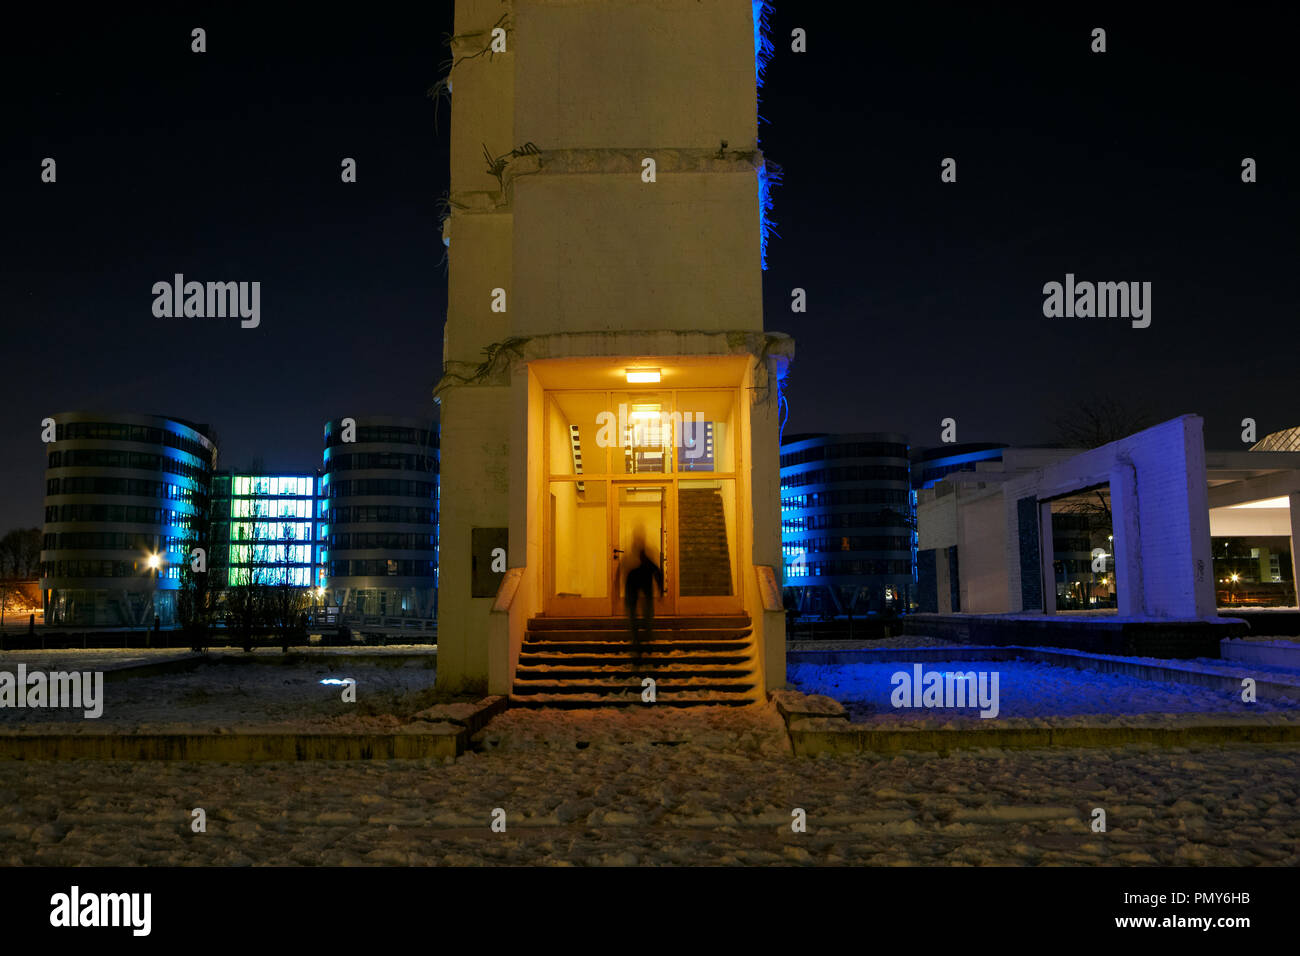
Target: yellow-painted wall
581, 244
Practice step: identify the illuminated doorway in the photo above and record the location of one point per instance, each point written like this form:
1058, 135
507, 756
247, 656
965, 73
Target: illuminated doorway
654, 465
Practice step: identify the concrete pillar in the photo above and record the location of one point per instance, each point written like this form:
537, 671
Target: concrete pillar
1294, 501
1046, 549
1125, 525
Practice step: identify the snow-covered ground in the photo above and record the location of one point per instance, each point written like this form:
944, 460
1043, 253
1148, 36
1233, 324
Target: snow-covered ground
1027, 689
654, 786
902, 640
248, 696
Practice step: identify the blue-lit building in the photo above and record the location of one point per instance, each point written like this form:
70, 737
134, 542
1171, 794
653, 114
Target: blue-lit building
126, 498
930, 465
379, 531
265, 529
847, 523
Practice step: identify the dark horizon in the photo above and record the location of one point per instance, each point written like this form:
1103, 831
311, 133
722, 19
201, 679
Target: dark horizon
924, 299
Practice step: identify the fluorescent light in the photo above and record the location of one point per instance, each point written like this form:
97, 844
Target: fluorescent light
642, 376
1283, 502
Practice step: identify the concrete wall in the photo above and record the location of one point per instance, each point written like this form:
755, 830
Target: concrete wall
589, 256
596, 252
475, 487
1161, 523
980, 547
640, 67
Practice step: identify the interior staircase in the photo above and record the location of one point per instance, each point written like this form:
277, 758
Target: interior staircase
705, 560
587, 662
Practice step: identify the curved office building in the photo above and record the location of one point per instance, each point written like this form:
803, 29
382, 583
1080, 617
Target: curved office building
380, 521
846, 523
124, 495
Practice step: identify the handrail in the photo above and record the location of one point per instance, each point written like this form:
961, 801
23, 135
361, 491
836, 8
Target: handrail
768, 589
506, 590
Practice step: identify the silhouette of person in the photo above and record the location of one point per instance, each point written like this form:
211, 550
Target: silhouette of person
642, 576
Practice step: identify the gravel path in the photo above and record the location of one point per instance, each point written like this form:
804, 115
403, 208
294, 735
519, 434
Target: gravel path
711, 786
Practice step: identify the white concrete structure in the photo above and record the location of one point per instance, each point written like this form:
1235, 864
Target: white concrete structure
1166, 495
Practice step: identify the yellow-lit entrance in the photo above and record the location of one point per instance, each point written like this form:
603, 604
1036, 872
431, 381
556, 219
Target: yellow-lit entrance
656, 466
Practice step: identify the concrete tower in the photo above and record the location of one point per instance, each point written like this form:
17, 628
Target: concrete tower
606, 373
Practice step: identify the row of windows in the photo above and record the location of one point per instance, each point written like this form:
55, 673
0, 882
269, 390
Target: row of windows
1072, 522
883, 518
1071, 544
374, 567
122, 514
269, 531
304, 486
397, 514
140, 433
859, 449
814, 569
93, 569
294, 577
847, 496
138, 487
382, 459
395, 540
240, 554
385, 434
1080, 566
107, 541
273, 508
114, 458
383, 486
854, 542
821, 476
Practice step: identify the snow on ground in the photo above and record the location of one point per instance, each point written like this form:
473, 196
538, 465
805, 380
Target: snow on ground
247, 696
76, 658
722, 794
1026, 689
902, 640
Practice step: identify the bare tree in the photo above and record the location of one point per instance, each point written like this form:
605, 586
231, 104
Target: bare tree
196, 599
20, 553
1098, 421
245, 597
286, 602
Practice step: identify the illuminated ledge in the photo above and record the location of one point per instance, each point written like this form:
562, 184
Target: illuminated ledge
593, 347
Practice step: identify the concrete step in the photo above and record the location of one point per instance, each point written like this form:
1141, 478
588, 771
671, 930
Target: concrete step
619, 623
614, 684
560, 645
648, 660
632, 700
659, 635
553, 672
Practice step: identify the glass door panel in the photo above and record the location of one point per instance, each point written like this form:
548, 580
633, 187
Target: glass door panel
706, 546
578, 548
575, 439
706, 430
642, 517
644, 432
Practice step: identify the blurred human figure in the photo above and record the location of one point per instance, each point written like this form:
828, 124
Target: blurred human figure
638, 592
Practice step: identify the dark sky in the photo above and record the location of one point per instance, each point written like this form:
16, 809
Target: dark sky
925, 299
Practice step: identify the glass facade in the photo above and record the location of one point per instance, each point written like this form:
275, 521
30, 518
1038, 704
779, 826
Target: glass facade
267, 530
848, 526
114, 543
378, 528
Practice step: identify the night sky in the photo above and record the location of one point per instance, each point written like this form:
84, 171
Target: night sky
925, 299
